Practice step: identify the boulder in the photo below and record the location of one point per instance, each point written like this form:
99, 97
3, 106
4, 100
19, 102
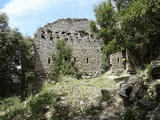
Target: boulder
155, 69
106, 94
139, 91
125, 90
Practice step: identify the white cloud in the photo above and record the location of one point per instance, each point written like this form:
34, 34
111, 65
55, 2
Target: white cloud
20, 7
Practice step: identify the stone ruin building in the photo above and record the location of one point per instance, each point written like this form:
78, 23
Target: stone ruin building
76, 32
116, 62
120, 62
86, 48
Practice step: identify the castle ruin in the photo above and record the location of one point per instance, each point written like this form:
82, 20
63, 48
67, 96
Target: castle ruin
86, 48
76, 32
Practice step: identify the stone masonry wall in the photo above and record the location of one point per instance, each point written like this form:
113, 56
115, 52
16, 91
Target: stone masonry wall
117, 63
86, 48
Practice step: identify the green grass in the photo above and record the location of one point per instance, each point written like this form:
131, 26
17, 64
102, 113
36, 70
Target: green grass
8, 103
68, 98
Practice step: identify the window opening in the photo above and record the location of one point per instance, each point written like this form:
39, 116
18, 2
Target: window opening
87, 60
49, 60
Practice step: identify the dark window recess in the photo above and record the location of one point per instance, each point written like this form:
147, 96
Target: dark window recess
83, 33
87, 60
68, 33
49, 61
63, 32
51, 38
118, 60
49, 31
76, 33
74, 59
65, 58
92, 36
42, 36
66, 39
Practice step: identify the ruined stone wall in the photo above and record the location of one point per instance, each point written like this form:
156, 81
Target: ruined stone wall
117, 64
86, 48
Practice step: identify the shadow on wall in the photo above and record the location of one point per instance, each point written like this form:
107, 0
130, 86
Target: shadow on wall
39, 72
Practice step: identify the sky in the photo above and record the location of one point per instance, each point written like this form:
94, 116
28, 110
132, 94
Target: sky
29, 15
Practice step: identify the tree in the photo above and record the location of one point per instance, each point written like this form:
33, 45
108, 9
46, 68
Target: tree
15, 59
133, 25
105, 27
61, 61
141, 29
27, 67
121, 4
6, 66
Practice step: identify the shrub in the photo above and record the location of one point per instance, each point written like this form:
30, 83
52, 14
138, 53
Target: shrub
62, 64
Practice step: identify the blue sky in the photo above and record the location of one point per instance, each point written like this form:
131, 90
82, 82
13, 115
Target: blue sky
29, 15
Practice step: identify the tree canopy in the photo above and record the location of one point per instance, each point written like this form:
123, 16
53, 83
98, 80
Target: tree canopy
15, 58
131, 24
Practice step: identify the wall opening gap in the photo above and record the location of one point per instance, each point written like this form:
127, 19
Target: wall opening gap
49, 60
87, 60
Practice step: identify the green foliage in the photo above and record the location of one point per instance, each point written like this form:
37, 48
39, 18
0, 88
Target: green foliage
149, 69
61, 64
140, 28
105, 26
34, 109
9, 103
37, 105
132, 25
15, 58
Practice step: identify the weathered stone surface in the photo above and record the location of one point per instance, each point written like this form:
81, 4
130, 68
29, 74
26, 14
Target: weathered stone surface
125, 90
145, 105
117, 63
86, 48
106, 94
155, 70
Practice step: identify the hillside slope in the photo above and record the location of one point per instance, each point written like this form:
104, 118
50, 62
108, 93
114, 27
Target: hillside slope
69, 99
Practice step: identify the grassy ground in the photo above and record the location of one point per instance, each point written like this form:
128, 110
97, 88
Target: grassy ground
69, 98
